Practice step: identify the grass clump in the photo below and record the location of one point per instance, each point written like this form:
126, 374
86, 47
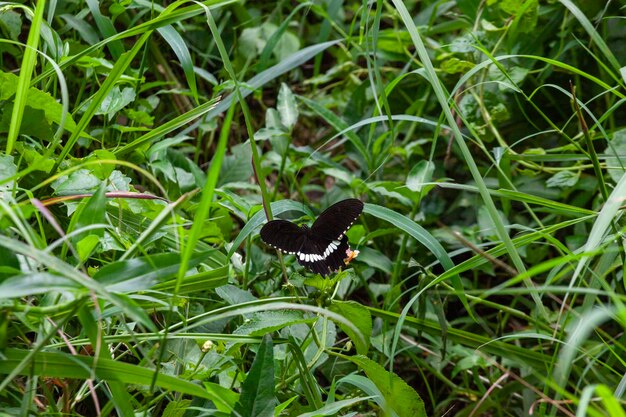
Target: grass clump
144, 145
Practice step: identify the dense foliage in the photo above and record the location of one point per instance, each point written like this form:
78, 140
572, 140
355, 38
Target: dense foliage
145, 144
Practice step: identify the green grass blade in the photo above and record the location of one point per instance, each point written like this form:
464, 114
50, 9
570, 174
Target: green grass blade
116, 73
26, 71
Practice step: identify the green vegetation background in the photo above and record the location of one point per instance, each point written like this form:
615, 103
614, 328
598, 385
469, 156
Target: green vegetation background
144, 144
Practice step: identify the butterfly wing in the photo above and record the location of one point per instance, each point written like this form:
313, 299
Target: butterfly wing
321, 255
335, 221
284, 236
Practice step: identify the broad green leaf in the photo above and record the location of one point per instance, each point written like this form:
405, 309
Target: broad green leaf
33, 158
257, 391
375, 259
287, 107
115, 101
34, 123
7, 170
360, 317
103, 171
36, 99
253, 40
223, 398
10, 24
400, 397
419, 175
87, 245
236, 166
616, 155
455, 65
78, 182
266, 322
90, 211
486, 223
563, 179
176, 408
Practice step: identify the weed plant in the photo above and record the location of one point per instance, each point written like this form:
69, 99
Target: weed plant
145, 144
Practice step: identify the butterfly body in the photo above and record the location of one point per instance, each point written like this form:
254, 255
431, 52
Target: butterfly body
322, 247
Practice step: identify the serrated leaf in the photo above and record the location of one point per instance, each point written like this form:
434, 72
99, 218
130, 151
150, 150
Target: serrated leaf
360, 317
34, 159
36, 99
102, 171
399, 396
115, 101
78, 182
176, 408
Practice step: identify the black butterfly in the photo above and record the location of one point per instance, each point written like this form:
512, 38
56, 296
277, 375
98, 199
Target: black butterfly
322, 247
